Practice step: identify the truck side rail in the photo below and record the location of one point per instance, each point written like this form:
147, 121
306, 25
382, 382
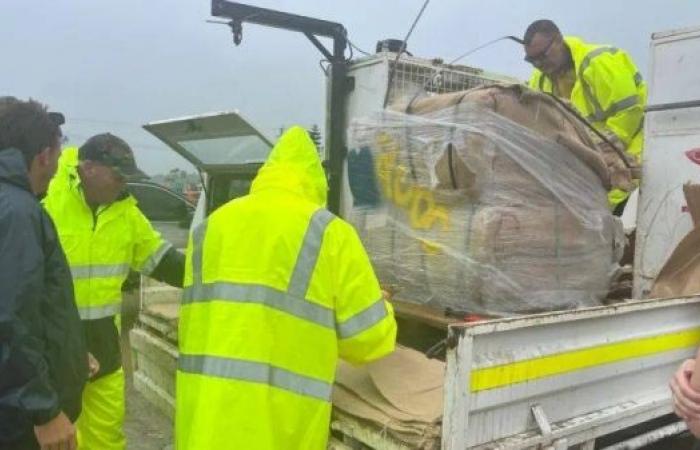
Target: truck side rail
564, 378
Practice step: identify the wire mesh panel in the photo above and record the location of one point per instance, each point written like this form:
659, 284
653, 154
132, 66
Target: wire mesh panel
412, 76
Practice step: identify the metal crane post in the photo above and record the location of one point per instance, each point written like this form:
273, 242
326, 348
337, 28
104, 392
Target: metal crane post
312, 28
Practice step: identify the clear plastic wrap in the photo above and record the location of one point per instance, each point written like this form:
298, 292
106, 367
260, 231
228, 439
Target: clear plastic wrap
490, 201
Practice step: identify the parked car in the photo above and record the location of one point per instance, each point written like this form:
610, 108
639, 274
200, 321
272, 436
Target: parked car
169, 212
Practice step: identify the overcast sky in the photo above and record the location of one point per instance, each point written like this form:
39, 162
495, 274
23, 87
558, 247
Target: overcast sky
114, 65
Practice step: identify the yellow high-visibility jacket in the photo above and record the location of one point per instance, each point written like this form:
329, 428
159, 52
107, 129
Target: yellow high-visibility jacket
609, 92
276, 290
100, 247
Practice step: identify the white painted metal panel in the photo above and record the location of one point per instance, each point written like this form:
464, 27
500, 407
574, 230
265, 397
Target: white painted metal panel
581, 403
675, 63
371, 78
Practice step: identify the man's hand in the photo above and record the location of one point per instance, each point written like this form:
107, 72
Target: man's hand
56, 434
686, 400
93, 365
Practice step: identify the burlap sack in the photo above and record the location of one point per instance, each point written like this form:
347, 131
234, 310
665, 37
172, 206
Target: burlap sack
527, 254
541, 114
680, 275
431, 265
401, 395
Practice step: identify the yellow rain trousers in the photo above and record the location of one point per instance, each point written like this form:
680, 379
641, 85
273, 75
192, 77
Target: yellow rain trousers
276, 290
609, 92
100, 423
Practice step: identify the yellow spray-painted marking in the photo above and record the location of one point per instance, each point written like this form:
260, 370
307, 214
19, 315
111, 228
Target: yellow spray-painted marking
547, 366
419, 202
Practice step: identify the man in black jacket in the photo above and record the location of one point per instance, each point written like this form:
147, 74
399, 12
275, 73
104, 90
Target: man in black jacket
43, 358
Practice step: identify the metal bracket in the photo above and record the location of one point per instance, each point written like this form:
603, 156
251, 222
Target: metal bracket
237, 31
349, 84
324, 51
542, 423
453, 335
546, 430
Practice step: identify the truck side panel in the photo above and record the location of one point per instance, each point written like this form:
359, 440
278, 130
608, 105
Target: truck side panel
586, 373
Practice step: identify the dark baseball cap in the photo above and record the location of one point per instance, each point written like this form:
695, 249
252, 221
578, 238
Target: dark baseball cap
111, 151
57, 118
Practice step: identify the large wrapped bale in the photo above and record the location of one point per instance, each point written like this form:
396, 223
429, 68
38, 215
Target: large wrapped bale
490, 201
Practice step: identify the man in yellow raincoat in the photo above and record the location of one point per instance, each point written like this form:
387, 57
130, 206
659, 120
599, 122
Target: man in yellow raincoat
602, 83
104, 235
276, 290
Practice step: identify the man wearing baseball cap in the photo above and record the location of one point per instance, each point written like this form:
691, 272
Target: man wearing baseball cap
104, 235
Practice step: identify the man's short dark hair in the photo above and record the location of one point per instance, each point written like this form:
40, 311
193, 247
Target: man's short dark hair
543, 26
27, 126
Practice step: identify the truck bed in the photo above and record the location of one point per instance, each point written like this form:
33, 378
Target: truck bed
560, 378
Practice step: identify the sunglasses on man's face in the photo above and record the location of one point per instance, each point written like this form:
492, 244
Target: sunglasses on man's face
541, 56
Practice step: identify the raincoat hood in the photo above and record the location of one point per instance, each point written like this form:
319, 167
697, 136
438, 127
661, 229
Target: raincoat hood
294, 165
13, 169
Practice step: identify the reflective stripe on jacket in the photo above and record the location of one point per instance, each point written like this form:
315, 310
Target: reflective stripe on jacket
100, 247
276, 290
609, 91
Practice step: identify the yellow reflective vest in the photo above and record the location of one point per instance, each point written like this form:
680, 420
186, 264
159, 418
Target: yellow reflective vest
609, 92
276, 290
102, 246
